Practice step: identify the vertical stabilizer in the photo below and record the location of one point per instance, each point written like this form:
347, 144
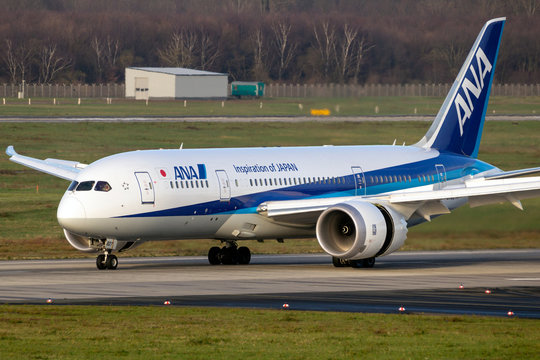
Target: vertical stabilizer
458, 126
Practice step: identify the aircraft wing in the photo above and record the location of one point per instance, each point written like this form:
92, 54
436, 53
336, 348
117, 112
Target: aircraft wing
425, 203
64, 169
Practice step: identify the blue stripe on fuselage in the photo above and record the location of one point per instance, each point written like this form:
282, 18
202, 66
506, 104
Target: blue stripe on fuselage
456, 167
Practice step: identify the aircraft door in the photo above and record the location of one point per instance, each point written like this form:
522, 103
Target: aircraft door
359, 181
224, 185
441, 175
146, 187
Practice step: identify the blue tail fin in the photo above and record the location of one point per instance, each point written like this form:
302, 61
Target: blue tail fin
460, 121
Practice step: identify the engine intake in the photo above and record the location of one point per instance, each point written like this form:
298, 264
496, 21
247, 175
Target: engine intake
359, 230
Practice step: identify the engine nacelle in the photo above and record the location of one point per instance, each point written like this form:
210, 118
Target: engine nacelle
359, 230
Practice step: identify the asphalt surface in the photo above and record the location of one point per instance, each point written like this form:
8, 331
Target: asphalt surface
449, 282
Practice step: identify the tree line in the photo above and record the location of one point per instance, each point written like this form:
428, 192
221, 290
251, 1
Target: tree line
301, 41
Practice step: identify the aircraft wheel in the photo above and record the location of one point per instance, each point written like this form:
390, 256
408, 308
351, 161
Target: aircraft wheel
369, 262
339, 262
213, 255
112, 262
228, 255
244, 255
355, 263
100, 262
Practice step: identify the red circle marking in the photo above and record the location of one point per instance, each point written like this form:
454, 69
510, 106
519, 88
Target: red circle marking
163, 173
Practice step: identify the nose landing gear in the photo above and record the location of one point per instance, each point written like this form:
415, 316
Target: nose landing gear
107, 261
230, 254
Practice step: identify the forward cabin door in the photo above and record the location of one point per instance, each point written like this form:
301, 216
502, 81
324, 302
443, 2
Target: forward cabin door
146, 187
359, 180
224, 185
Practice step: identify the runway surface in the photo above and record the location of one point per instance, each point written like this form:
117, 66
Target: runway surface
421, 282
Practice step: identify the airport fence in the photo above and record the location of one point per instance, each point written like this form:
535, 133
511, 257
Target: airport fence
64, 90
271, 90
344, 90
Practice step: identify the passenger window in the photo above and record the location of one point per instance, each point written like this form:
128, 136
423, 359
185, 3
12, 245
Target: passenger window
85, 186
72, 186
251, 182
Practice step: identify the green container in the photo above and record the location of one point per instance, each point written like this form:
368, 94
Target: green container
247, 89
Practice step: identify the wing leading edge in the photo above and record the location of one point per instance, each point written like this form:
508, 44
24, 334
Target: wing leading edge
64, 169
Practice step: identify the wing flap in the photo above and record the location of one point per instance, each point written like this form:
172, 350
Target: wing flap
64, 169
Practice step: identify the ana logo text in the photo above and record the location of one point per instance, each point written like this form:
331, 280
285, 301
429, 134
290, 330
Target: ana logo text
190, 172
465, 108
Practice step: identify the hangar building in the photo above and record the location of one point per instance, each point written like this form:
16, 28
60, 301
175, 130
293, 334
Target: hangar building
174, 83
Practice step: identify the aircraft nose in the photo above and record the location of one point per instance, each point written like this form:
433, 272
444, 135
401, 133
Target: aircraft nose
70, 213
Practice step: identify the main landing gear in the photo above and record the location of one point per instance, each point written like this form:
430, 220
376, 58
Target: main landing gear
361, 263
107, 261
230, 254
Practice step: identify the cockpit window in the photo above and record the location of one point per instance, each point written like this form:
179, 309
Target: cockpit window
73, 186
85, 186
102, 186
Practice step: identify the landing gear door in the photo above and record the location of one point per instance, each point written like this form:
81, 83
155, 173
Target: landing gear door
146, 187
441, 174
359, 181
224, 185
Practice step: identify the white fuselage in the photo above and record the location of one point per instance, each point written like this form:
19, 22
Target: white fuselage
214, 193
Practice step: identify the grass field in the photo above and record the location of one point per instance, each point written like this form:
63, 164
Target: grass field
270, 107
28, 226
85, 332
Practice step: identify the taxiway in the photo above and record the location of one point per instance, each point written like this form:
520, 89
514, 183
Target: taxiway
427, 282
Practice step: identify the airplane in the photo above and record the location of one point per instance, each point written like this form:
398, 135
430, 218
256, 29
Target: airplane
357, 200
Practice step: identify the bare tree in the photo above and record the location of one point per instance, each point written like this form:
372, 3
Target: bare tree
180, 50
325, 45
286, 49
345, 60
11, 62
111, 48
18, 60
452, 55
259, 54
97, 46
527, 6
362, 47
51, 64
106, 53
208, 50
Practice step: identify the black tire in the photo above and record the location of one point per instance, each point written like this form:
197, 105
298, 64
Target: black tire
112, 262
100, 262
369, 262
213, 255
228, 255
244, 255
355, 263
338, 262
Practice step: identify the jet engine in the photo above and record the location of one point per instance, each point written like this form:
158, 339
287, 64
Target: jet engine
359, 230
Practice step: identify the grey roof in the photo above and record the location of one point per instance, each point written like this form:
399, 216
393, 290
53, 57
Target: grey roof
177, 71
